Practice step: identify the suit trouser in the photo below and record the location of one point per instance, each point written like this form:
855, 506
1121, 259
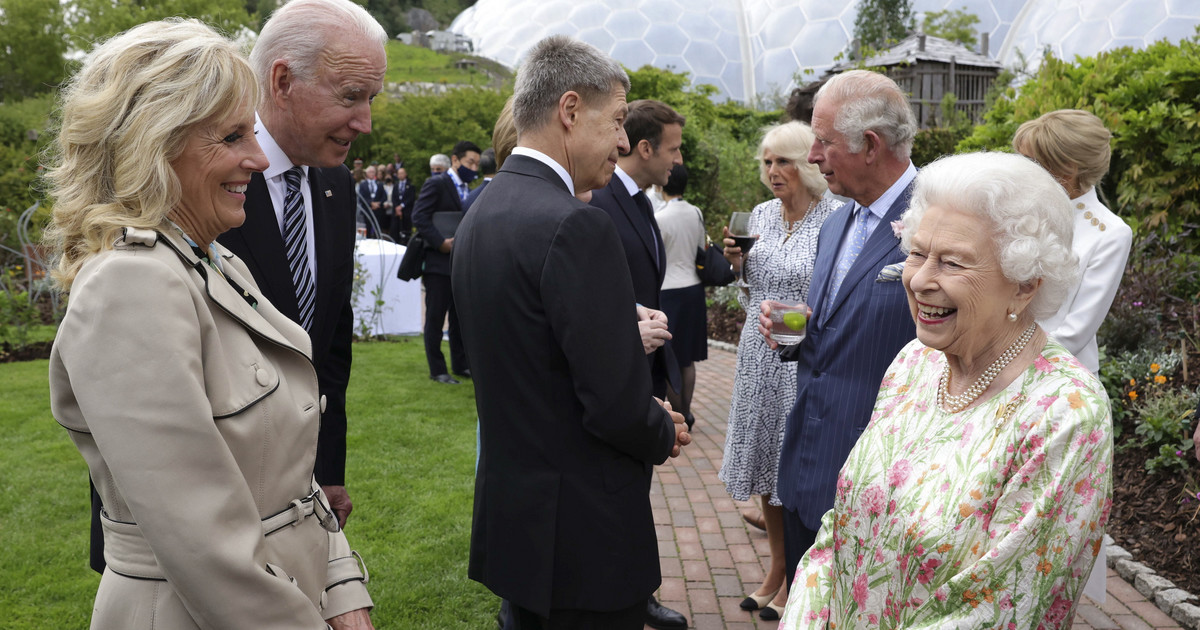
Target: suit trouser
796, 541
438, 301
631, 618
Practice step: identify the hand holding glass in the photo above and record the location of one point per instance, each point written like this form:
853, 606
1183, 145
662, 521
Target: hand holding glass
788, 321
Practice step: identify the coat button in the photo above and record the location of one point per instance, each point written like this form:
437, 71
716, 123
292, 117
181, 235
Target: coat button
324, 403
262, 377
1080, 206
1095, 221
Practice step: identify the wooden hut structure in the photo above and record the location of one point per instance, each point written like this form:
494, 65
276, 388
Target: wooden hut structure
928, 67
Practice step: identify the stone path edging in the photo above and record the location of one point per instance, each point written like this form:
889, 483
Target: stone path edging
1169, 598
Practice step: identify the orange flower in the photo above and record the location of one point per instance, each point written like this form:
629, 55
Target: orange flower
1045, 567
965, 510
1133, 395
944, 547
1160, 379
1132, 382
1075, 400
1153, 368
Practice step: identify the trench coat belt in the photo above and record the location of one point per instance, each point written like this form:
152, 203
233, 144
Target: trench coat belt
127, 553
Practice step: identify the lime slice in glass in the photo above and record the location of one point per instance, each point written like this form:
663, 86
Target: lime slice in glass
794, 321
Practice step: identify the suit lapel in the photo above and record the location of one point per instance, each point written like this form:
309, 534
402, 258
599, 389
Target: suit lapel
636, 218
267, 251
326, 196
881, 243
453, 193
826, 261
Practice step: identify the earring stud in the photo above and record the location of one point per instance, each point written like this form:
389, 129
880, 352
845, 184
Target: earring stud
1012, 317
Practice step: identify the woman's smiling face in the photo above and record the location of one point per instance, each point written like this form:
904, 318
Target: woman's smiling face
957, 292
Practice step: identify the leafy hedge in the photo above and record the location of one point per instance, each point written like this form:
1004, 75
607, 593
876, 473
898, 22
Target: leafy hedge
1148, 99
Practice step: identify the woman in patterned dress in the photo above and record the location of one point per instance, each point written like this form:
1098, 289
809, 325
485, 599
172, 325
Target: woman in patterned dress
778, 267
978, 495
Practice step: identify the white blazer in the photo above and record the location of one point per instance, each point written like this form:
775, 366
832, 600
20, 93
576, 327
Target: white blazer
1102, 241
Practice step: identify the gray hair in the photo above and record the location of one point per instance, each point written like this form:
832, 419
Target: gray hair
301, 30
1030, 217
556, 65
439, 159
870, 101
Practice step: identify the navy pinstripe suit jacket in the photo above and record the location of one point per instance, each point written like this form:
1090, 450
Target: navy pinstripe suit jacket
841, 362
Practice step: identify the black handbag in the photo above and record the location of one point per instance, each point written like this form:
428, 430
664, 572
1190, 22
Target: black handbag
413, 262
711, 266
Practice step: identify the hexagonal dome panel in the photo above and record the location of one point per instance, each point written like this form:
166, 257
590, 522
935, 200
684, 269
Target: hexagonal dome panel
751, 47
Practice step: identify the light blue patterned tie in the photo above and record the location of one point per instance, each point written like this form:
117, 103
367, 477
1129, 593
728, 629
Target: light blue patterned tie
853, 249
295, 242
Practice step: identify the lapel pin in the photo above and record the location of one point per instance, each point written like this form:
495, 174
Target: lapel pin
328, 193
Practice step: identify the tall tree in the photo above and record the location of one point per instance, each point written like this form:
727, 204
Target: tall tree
880, 23
956, 25
32, 44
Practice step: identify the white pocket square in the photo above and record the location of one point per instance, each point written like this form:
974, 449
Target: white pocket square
891, 273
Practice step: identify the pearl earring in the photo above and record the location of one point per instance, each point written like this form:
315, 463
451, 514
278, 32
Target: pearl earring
1012, 317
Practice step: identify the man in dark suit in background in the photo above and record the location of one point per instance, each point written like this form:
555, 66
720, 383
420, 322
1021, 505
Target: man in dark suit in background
443, 192
306, 267
655, 136
860, 320
655, 133
404, 197
569, 431
487, 170
373, 197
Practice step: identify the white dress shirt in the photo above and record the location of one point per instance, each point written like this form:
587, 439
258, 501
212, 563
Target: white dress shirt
277, 187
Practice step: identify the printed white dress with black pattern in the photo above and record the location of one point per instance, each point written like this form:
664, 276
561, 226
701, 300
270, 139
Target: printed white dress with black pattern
764, 388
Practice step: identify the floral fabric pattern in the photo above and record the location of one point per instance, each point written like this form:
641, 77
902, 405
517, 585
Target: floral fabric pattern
988, 518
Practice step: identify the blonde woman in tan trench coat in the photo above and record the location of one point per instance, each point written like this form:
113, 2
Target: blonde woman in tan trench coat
193, 400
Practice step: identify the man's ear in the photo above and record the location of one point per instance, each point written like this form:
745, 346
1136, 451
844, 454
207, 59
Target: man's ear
872, 144
644, 149
570, 108
281, 84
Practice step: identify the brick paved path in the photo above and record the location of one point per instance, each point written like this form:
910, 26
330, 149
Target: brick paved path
711, 558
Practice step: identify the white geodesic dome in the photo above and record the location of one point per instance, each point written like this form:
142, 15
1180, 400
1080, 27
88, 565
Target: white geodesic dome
757, 47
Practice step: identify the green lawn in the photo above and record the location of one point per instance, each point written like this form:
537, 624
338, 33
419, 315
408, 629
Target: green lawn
422, 65
411, 462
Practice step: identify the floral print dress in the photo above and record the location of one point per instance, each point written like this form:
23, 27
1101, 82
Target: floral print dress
988, 518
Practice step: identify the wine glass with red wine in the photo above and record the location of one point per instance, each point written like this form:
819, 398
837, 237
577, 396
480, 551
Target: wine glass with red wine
739, 229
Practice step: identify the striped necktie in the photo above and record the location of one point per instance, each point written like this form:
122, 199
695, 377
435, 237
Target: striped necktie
850, 254
295, 241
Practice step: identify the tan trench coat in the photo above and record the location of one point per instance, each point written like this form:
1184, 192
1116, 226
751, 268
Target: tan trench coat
197, 415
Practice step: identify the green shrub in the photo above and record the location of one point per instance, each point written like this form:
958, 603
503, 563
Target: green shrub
1147, 98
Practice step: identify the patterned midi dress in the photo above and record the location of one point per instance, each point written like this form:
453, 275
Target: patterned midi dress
778, 267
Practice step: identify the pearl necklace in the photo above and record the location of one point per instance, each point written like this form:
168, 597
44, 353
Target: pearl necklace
790, 228
955, 404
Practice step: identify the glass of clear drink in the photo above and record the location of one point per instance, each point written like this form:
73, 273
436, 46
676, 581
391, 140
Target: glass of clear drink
788, 321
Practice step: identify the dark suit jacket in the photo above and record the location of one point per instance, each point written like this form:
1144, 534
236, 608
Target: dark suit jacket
568, 429
409, 200
438, 194
474, 194
259, 243
382, 215
638, 241
841, 362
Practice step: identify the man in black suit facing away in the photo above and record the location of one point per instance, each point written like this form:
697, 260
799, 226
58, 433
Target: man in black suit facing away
487, 170
316, 99
443, 192
404, 197
373, 196
569, 431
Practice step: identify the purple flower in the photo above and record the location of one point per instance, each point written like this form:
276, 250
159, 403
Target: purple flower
1137, 303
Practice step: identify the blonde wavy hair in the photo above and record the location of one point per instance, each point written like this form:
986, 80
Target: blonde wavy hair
792, 140
125, 116
1070, 143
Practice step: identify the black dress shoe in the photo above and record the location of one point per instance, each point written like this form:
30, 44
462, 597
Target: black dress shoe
444, 379
663, 618
689, 420
464, 373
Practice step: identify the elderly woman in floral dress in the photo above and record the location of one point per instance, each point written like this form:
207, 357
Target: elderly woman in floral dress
978, 495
